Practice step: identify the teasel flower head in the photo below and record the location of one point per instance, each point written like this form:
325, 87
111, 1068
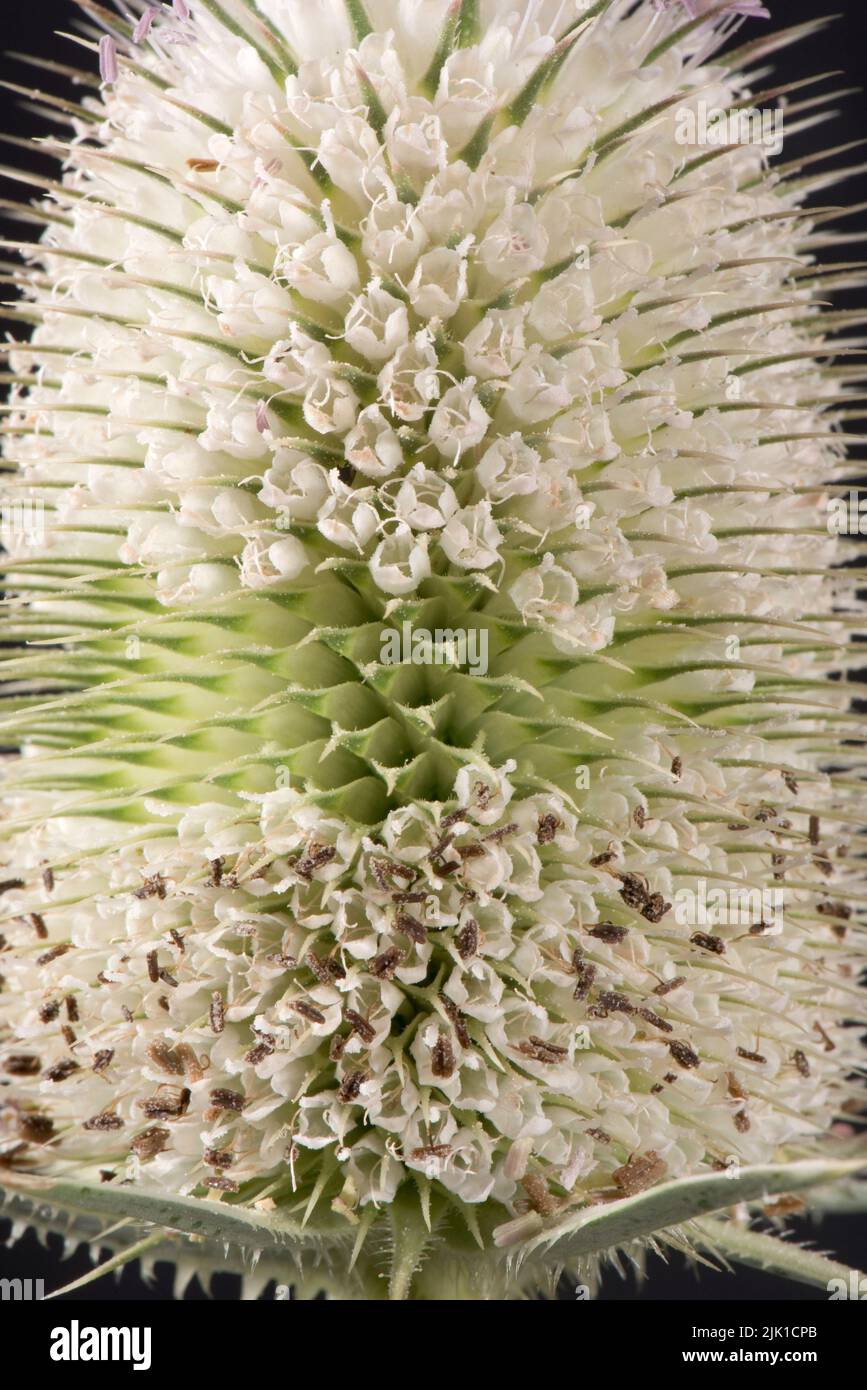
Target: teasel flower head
434, 821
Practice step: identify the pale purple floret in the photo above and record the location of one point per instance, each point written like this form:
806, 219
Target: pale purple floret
108, 59
143, 28
181, 9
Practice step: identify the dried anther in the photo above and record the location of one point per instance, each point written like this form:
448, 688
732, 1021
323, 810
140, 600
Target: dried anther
715, 944
217, 1012
54, 954
221, 1184
106, 1120
541, 1051
350, 1087
586, 975
22, 1064
607, 932
150, 1142
412, 927
442, 1058
430, 1151
308, 1011
502, 833
317, 856
750, 1056
359, 1024
166, 1057
153, 887
839, 910
639, 1172
735, 1088
547, 830
219, 1158
539, 1198
222, 1099
35, 1129
467, 940
683, 1054
169, 1103
616, 1003
650, 1017
456, 1019
383, 966
633, 891
800, 1060
655, 908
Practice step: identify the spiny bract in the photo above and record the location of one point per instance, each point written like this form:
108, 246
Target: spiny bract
424, 448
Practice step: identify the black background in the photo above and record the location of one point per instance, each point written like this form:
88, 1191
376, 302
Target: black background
842, 46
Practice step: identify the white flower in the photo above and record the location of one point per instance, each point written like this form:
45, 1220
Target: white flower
471, 539
372, 446
322, 269
400, 562
460, 421
377, 324
439, 284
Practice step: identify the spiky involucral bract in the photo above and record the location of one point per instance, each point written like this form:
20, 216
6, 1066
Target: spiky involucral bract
357, 323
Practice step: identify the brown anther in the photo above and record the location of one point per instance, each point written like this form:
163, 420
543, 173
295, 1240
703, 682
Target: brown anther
609, 933
153, 887
217, 1012
442, 1058
150, 1142
411, 927
467, 939
22, 1064
715, 944
456, 1019
54, 954
219, 1158
683, 1054
222, 1099
106, 1120
350, 1087
308, 1011
61, 1070
655, 908
639, 1172
383, 966
547, 830
359, 1024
